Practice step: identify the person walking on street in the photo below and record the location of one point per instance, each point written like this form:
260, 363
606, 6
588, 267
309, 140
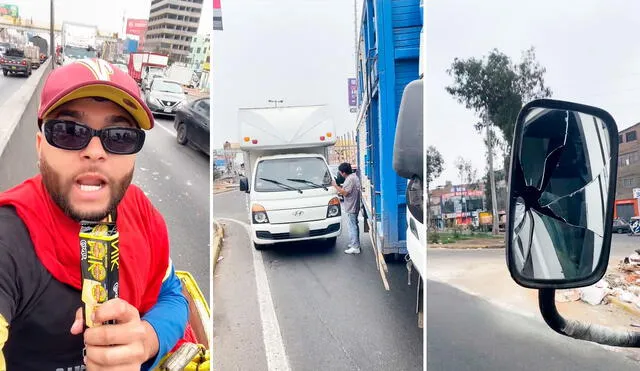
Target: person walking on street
350, 190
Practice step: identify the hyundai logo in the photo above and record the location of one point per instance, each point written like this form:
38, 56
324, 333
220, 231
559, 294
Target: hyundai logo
298, 213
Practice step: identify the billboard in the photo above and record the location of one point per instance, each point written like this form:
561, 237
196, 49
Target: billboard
217, 15
353, 94
136, 27
9, 12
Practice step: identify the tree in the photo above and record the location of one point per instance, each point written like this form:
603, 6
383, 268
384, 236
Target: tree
501, 194
468, 175
435, 166
496, 90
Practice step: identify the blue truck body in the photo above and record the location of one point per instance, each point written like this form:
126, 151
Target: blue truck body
388, 59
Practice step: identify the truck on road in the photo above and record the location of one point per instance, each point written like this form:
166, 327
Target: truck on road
389, 50
32, 52
143, 64
182, 74
78, 41
287, 175
14, 61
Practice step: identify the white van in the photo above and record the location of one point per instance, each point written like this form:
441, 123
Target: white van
287, 176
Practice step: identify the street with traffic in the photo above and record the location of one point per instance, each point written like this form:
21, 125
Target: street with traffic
308, 306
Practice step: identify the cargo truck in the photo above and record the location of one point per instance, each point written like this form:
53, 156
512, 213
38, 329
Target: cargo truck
142, 64
389, 58
32, 52
287, 177
78, 41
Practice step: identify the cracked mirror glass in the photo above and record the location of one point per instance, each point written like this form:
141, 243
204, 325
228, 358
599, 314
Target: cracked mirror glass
559, 195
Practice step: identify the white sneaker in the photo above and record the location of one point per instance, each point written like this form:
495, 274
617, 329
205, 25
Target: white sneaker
352, 250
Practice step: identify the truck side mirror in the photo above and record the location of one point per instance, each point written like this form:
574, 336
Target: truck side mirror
408, 154
561, 195
244, 184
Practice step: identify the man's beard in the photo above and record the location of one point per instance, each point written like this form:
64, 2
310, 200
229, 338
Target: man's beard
59, 192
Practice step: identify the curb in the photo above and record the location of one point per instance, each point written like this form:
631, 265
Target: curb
454, 246
223, 190
218, 234
628, 307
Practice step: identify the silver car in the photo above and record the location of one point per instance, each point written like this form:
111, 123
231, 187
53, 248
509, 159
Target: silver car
165, 97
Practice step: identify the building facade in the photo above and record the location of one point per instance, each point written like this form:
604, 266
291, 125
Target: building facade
200, 51
173, 25
628, 172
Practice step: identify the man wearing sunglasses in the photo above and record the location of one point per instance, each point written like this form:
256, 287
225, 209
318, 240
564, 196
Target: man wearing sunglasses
91, 122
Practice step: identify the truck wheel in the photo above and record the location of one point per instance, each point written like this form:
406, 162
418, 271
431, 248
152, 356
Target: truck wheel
181, 136
259, 247
5, 72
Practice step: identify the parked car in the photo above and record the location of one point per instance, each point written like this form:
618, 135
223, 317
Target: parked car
620, 226
165, 97
192, 124
14, 61
150, 76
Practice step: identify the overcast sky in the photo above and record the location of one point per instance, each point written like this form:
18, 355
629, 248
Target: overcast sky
590, 48
301, 51
106, 17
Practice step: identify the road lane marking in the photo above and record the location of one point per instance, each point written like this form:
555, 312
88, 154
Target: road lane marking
273, 344
173, 133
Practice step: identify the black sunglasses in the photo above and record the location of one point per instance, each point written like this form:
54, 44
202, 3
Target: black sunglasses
73, 136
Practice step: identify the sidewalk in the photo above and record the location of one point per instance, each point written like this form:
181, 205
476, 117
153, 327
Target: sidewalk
474, 241
225, 185
489, 278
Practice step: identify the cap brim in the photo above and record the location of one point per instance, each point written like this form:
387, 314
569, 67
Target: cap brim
140, 112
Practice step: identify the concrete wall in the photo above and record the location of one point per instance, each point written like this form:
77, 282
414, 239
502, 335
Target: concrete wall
18, 118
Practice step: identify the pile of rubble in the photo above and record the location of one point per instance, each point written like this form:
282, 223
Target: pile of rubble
623, 284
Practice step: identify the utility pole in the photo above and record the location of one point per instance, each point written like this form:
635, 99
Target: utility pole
492, 175
355, 36
52, 37
276, 101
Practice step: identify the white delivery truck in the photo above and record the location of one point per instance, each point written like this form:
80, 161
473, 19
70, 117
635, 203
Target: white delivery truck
182, 74
79, 41
287, 176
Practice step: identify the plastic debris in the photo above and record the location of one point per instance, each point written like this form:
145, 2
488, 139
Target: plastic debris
593, 295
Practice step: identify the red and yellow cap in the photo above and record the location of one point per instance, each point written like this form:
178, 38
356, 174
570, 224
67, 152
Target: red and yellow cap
93, 78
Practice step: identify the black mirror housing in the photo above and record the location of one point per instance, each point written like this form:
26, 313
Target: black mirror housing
408, 149
561, 195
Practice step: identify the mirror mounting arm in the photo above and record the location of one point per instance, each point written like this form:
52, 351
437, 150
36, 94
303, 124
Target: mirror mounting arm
582, 331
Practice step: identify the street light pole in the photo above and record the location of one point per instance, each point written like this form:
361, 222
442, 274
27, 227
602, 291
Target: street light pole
276, 102
52, 37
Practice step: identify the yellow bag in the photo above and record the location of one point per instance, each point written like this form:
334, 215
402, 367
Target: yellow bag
192, 357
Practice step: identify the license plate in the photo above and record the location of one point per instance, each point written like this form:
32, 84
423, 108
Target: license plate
299, 230
13, 67
168, 110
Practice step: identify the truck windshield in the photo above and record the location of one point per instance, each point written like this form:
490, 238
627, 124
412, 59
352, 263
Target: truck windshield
77, 52
291, 171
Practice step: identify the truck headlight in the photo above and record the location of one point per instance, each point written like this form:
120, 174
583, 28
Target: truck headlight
333, 209
259, 214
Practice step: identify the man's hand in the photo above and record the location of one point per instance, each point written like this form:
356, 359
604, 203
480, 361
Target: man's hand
123, 346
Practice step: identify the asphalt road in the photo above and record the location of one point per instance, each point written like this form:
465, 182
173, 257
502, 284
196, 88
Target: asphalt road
465, 332
329, 310
9, 85
176, 179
